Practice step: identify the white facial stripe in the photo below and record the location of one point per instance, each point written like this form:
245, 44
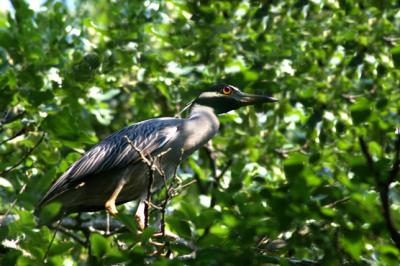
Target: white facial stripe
233, 87
210, 94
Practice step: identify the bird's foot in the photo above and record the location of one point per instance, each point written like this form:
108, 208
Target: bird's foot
110, 203
139, 222
111, 208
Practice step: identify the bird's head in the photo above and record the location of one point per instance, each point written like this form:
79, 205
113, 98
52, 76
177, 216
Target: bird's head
224, 98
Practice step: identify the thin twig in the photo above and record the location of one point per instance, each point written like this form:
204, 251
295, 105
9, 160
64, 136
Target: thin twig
163, 208
151, 204
184, 186
97, 225
141, 154
395, 169
159, 156
148, 195
147, 159
150, 164
51, 241
351, 98
168, 194
384, 186
212, 158
19, 133
370, 162
385, 196
285, 152
337, 202
200, 186
216, 179
287, 261
76, 238
5, 172
15, 201
10, 118
155, 164
2, 121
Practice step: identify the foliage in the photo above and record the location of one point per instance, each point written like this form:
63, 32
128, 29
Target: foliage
295, 170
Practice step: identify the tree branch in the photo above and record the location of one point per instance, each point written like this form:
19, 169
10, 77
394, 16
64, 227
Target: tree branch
168, 195
148, 195
19, 133
217, 177
384, 186
287, 261
97, 225
73, 236
14, 202
10, 116
5, 172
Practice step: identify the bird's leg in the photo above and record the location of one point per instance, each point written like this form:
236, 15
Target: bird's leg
110, 203
139, 216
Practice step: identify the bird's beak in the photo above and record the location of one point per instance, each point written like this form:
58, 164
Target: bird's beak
249, 99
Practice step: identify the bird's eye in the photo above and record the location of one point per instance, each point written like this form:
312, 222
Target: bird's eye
227, 90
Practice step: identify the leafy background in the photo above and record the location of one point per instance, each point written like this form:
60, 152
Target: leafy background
297, 186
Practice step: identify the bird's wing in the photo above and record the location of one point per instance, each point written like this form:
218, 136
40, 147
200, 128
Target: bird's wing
150, 137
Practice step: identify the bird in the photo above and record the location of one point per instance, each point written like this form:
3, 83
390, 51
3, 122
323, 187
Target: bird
114, 171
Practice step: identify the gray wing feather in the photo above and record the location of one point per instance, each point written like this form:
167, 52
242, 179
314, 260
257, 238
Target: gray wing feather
115, 152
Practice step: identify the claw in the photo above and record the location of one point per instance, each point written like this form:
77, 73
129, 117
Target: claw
111, 208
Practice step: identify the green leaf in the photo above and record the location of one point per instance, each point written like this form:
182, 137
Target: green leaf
351, 242
294, 165
50, 212
180, 226
147, 234
361, 110
396, 56
99, 245
128, 221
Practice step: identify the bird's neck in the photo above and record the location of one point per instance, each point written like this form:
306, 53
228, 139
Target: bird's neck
201, 125
197, 108
204, 114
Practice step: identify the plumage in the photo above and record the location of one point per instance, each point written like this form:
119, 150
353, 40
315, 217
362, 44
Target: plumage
113, 172
115, 152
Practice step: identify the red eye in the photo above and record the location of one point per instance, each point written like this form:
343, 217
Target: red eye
227, 90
